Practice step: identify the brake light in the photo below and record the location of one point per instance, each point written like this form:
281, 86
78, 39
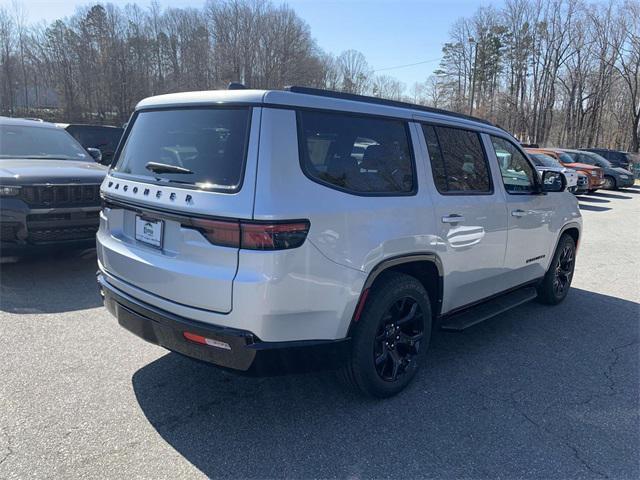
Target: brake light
252, 235
277, 236
218, 232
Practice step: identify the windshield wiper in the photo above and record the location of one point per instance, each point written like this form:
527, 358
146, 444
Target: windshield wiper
166, 168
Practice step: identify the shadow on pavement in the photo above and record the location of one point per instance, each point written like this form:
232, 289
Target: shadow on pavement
610, 195
60, 282
538, 389
585, 198
592, 208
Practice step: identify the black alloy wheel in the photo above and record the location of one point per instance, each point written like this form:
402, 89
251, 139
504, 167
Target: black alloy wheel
564, 270
556, 283
397, 342
390, 339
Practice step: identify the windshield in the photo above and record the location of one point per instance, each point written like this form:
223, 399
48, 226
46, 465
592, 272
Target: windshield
595, 159
542, 160
205, 147
25, 141
565, 158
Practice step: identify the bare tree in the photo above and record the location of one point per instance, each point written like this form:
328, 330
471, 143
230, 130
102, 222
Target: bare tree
355, 72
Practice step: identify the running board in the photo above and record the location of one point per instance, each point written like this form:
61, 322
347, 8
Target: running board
474, 315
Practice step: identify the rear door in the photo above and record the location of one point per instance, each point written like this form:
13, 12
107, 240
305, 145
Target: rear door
178, 172
529, 213
470, 214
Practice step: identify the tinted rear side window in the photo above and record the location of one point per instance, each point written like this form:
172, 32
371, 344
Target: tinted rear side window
104, 138
361, 155
208, 143
457, 159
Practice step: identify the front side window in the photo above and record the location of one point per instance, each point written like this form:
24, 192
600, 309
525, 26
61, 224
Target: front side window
518, 175
458, 162
360, 155
202, 147
22, 141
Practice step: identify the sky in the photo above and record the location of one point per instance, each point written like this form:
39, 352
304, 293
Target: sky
389, 33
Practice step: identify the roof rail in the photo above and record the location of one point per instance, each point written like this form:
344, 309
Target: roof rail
380, 101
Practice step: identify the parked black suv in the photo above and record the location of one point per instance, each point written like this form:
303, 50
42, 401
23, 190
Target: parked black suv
104, 137
616, 157
49, 188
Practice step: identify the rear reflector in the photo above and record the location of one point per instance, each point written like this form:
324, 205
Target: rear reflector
206, 341
252, 235
360, 307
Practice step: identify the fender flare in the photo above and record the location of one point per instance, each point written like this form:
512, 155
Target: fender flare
392, 262
564, 228
399, 260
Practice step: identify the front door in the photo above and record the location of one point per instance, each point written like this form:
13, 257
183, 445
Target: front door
529, 214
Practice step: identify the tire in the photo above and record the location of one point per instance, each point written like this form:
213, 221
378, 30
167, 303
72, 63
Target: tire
609, 183
557, 281
391, 337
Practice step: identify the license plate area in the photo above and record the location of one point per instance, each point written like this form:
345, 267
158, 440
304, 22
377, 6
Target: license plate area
149, 231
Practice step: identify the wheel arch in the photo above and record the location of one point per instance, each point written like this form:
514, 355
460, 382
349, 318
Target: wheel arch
572, 229
425, 267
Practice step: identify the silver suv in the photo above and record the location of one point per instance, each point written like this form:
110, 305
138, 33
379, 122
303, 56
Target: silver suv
279, 231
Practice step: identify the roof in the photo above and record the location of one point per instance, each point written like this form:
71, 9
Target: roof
25, 122
319, 99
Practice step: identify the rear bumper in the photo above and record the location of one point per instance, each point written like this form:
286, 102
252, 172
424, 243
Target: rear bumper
246, 353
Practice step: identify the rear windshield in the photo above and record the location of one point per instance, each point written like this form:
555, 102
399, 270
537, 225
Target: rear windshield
204, 147
21, 141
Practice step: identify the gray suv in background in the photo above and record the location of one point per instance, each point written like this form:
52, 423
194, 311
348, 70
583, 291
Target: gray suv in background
49, 188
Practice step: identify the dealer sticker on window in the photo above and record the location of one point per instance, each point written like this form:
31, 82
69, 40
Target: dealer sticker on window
149, 231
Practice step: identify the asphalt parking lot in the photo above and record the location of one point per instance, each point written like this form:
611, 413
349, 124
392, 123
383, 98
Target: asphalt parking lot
539, 392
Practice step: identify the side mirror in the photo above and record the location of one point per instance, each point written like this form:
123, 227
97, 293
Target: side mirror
95, 153
553, 181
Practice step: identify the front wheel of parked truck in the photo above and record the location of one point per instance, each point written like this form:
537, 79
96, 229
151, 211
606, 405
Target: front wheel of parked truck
556, 283
391, 337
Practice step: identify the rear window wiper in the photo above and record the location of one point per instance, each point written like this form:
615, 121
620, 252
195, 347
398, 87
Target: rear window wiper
166, 168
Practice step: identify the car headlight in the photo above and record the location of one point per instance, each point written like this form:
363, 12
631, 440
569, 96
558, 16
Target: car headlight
9, 191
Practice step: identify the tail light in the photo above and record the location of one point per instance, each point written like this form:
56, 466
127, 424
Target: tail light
252, 235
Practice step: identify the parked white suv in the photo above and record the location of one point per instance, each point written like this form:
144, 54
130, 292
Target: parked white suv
274, 231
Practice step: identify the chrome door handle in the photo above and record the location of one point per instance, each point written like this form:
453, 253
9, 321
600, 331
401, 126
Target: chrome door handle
518, 213
453, 219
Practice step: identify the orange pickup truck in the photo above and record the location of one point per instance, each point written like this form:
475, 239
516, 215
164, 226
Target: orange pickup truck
595, 174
